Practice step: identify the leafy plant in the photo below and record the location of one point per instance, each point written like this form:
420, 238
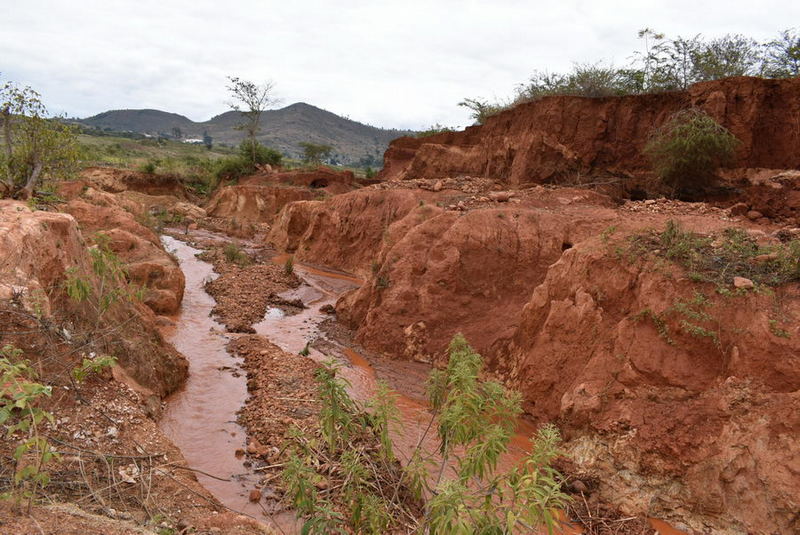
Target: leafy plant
20, 415
92, 365
111, 280
687, 149
288, 266
373, 493
719, 258
259, 154
35, 147
234, 254
314, 153
150, 166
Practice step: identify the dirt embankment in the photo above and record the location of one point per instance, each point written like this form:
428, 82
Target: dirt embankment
136, 245
560, 139
699, 421
693, 404
115, 461
50, 250
249, 207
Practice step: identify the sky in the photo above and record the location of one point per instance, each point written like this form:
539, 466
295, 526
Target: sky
394, 64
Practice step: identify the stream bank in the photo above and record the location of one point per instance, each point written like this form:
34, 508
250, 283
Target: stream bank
202, 418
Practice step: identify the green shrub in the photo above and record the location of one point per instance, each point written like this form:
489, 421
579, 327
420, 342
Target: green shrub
233, 167
260, 155
234, 254
351, 456
687, 150
434, 129
150, 166
719, 258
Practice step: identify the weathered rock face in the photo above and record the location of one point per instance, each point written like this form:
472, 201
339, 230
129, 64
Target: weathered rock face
558, 138
137, 246
248, 206
345, 232
115, 180
41, 250
699, 414
322, 178
683, 419
442, 272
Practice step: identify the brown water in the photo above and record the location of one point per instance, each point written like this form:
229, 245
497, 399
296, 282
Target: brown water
201, 418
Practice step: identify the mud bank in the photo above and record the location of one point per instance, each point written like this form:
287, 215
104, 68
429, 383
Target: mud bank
560, 138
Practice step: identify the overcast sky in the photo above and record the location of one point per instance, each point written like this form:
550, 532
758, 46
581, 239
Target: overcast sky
401, 63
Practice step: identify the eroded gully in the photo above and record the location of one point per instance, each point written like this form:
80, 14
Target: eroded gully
201, 418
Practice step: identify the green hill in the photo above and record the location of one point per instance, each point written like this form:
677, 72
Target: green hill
282, 129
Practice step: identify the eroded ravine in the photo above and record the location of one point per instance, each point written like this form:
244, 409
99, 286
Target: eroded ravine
201, 418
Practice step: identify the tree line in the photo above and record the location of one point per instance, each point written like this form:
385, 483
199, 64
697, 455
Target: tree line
662, 64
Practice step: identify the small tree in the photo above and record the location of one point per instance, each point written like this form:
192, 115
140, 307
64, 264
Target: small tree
250, 99
314, 154
783, 55
687, 149
208, 141
482, 109
731, 55
34, 146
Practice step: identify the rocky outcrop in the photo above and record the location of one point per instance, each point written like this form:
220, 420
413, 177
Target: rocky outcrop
558, 139
48, 249
694, 405
136, 245
347, 231
442, 272
115, 180
250, 208
321, 178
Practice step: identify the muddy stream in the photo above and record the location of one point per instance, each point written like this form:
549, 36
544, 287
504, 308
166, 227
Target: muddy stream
201, 417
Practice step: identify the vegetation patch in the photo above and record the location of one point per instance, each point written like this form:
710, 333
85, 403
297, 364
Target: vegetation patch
717, 259
687, 150
345, 473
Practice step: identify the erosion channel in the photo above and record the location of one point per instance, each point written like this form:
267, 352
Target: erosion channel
201, 418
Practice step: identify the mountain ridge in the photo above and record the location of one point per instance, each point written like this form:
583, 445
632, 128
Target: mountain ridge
282, 129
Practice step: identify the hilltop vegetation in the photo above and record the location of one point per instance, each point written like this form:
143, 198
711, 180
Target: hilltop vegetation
663, 64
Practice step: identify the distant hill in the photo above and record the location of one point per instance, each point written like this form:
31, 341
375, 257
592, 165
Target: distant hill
282, 129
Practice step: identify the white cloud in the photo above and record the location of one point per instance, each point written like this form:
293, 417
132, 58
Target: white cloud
393, 64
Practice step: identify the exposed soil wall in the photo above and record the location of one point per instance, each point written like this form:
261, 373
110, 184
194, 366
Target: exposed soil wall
49, 248
561, 138
701, 427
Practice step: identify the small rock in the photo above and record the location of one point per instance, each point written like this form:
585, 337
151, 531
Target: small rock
648, 202
752, 215
437, 186
499, 196
738, 209
255, 496
741, 282
239, 453
327, 309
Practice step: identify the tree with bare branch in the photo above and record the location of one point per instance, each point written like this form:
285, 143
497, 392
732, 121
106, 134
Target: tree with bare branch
34, 146
250, 99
